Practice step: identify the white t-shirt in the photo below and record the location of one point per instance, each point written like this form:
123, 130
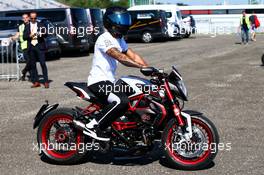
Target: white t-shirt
104, 66
33, 27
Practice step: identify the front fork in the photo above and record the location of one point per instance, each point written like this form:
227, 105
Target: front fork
179, 114
188, 133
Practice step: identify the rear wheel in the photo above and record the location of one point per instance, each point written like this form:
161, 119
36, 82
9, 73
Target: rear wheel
196, 153
262, 59
60, 142
147, 37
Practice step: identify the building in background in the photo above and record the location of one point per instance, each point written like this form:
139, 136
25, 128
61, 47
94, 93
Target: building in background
141, 2
221, 19
28, 4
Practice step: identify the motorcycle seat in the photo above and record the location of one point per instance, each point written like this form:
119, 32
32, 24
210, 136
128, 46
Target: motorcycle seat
82, 90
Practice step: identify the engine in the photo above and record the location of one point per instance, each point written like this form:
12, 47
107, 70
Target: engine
136, 126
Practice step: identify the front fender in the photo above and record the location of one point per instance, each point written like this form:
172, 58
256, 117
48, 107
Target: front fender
192, 113
42, 112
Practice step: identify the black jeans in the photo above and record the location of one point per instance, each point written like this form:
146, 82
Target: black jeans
35, 52
116, 102
26, 57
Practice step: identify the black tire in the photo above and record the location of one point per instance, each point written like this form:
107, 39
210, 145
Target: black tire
74, 158
187, 35
187, 164
57, 55
147, 37
262, 60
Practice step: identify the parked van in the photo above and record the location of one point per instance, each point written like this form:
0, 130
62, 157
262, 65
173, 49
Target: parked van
148, 25
173, 15
67, 22
95, 18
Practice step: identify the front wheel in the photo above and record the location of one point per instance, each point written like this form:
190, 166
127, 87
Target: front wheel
262, 59
193, 154
59, 141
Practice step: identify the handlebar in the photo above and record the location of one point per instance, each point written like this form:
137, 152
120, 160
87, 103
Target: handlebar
152, 71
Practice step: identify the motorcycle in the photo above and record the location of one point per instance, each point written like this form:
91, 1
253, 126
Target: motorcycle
188, 139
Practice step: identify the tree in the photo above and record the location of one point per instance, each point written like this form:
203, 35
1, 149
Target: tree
253, 2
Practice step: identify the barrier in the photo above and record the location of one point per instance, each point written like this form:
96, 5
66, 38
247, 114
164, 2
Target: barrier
221, 24
9, 63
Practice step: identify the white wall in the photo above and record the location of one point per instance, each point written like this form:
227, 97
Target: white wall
221, 24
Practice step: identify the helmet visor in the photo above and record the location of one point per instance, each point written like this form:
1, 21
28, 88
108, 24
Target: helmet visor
123, 19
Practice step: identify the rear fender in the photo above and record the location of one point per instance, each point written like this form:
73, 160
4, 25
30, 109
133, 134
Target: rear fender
42, 112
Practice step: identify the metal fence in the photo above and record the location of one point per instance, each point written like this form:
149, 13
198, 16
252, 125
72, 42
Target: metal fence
221, 24
9, 63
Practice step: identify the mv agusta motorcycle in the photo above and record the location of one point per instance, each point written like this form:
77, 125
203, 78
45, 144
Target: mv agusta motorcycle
155, 114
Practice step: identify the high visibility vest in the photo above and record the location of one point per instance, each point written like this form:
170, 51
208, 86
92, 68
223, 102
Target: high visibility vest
246, 19
23, 43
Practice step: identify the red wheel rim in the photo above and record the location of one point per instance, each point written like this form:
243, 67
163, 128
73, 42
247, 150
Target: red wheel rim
183, 160
45, 137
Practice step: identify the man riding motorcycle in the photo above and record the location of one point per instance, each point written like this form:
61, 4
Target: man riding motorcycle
141, 111
110, 48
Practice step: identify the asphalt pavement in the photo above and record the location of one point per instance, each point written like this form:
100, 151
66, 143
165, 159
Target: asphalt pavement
225, 81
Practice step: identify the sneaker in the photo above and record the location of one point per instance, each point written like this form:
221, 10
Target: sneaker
91, 129
46, 85
35, 85
96, 133
23, 77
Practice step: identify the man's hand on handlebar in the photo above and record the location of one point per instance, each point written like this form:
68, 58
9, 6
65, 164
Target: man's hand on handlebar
144, 65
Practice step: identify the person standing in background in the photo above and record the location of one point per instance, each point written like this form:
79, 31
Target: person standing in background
33, 33
254, 22
245, 26
23, 44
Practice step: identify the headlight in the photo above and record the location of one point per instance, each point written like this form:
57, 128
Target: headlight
183, 88
179, 89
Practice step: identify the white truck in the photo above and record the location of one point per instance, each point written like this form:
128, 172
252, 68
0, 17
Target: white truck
176, 27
